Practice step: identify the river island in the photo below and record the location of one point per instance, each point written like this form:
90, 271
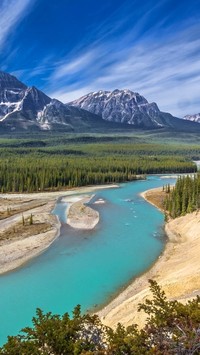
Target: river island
21, 239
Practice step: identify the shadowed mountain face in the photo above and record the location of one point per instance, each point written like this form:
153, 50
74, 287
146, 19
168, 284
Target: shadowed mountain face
23, 107
19, 100
8, 83
28, 108
11, 94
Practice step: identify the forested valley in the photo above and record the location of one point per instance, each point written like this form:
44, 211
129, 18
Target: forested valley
50, 164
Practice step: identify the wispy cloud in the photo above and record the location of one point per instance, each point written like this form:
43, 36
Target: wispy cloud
74, 66
165, 70
148, 47
11, 13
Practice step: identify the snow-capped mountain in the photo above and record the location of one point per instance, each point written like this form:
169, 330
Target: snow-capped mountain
193, 118
11, 94
122, 106
23, 107
17, 99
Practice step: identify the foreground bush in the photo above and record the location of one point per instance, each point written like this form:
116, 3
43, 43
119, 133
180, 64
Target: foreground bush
171, 328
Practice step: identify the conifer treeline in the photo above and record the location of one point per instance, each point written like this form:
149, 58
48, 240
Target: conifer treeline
34, 173
184, 197
37, 168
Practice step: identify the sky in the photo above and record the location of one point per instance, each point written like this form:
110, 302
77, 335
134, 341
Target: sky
68, 48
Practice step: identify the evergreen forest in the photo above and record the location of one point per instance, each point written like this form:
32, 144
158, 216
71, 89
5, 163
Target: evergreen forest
184, 197
57, 163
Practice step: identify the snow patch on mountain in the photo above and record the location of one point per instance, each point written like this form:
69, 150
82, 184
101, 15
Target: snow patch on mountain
25, 108
122, 106
193, 118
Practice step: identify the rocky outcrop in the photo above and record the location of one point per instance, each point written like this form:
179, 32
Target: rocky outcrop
193, 118
23, 107
122, 106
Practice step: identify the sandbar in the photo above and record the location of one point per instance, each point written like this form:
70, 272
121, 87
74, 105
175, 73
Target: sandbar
15, 251
81, 216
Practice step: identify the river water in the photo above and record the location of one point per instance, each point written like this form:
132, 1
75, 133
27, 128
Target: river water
87, 267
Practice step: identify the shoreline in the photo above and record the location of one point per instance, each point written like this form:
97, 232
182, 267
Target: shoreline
15, 253
177, 271
57, 194
146, 196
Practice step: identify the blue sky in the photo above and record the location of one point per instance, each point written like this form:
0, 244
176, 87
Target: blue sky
68, 48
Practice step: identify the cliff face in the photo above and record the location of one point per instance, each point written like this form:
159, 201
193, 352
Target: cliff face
19, 100
123, 106
23, 107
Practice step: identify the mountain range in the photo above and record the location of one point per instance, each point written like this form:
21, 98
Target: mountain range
28, 108
127, 107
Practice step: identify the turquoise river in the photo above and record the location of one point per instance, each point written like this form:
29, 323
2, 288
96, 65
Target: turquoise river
87, 268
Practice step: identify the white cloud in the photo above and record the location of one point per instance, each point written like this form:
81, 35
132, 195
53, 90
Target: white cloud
167, 72
158, 59
68, 94
12, 12
73, 66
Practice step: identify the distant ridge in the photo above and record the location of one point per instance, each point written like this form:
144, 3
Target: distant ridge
193, 118
28, 108
126, 106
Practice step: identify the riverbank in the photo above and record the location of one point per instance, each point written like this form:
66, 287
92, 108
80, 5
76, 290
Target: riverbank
19, 241
177, 270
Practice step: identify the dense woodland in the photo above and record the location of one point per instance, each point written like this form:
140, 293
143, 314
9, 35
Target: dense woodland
171, 328
184, 197
43, 165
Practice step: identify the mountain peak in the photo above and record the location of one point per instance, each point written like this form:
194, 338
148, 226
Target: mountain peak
23, 107
8, 81
124, 106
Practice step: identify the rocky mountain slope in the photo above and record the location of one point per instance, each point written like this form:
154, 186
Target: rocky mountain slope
27, 108
23, 107
193, 118
122, 106
125, 106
